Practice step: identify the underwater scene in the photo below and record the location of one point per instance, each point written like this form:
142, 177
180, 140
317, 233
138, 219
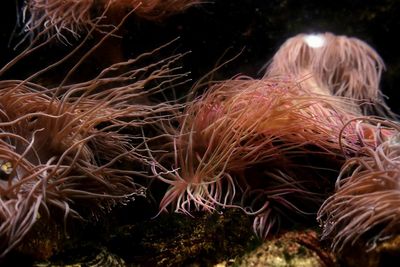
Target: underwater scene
199, 133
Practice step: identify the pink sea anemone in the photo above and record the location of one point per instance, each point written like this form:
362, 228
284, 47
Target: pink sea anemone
335, 65
364, 208
247, 143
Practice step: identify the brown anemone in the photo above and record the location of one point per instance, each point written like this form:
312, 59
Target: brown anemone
65, 18
74, 150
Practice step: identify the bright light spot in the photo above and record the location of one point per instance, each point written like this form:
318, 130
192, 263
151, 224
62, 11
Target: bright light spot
314, 40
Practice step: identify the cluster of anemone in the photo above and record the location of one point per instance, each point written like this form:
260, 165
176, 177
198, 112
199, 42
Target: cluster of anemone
62, 18
273, 147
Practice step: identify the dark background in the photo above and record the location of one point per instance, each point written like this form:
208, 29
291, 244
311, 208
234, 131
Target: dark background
219, 30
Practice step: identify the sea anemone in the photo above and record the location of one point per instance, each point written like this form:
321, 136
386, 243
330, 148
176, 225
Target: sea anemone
74, 150
364, 208
49, 147
64, 18
248, 143
57, 17
335, 65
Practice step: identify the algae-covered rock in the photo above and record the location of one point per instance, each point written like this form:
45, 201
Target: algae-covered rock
180, 240
90, 258
292, 249
45, 239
